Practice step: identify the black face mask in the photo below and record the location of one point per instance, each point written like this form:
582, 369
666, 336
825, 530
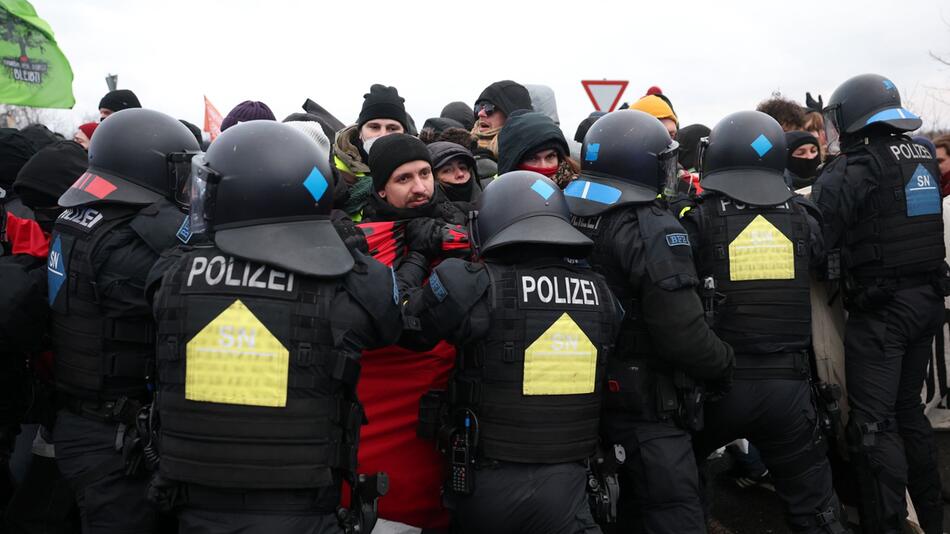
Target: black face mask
459, 192
805, 169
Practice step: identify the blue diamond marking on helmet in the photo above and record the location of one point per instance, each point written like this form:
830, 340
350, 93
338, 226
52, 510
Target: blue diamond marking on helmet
592, 151
761, 145
888, 84
542, 189
316, 184
891, 114
603, 194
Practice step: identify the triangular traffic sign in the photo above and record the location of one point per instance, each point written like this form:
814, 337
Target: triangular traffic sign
604, 94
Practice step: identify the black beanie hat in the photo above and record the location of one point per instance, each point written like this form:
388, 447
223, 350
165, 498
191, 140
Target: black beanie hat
390, 151
40, 135
119, 99
50, 172
507, 96
461, 112
797, 138
585, 125
15, 150
441, 124
383, 102
689, 137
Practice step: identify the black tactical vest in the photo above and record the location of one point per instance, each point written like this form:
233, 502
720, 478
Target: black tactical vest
98, 356
253, 392
759, 259
899, 228
536, 381
667, 259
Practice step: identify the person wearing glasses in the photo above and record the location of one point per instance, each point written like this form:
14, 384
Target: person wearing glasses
492, 109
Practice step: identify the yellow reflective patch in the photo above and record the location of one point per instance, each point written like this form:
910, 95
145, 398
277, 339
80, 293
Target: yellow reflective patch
235, 359
562, 361
761, 252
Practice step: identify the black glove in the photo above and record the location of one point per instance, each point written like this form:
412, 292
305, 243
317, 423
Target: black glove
424, 235
717, 389
352, 236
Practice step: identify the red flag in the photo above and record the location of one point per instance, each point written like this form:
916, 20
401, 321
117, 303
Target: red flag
386, 240
212, 119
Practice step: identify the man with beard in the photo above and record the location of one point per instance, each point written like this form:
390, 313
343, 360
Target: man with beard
405, 202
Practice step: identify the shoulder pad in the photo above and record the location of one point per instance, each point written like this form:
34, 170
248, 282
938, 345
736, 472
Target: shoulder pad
669, 256
373, 285
460, 282
159, 224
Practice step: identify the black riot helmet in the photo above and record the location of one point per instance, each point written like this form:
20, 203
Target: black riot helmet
524, 207
627, 157
744, 158
264, 192
863, 101
138, 156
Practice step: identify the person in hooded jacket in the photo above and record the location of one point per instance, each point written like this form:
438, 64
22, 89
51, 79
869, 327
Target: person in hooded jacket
689, 138
383, 113
461, 112
19, 233
804, 159
531, 141
454, 169
492, 108
42, 502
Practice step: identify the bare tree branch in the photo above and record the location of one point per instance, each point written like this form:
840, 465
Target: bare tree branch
940, 59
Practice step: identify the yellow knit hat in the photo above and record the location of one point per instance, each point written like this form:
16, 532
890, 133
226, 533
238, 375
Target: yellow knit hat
655, 106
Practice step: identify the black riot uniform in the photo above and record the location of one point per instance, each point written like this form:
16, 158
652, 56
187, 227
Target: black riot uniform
260, 328
120, 216
754, 242
882, 211
533, 333
665, 347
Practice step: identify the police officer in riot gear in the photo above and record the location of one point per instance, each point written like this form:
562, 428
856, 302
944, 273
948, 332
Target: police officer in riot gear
120, 216
533, 333
880, 200
665, 346
261, 324
754, 241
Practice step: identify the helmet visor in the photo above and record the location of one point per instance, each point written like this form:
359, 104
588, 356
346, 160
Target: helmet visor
203, 181
832, 132
668, 163
179, 176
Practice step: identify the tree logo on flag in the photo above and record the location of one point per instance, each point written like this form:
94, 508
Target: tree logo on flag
22, 69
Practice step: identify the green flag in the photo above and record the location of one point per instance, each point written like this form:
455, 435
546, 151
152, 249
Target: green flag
33, 70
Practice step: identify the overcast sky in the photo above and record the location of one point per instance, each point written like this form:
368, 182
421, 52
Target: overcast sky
710, 58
